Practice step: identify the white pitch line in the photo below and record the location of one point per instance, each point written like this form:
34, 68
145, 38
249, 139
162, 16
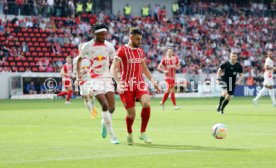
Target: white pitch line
100, 156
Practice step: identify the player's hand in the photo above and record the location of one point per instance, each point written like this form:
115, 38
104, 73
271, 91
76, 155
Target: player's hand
165, 72
238, 82
156, 86
120, 87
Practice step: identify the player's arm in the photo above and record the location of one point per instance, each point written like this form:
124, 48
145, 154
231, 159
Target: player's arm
81, 56
240, 78
62, 73
219, 74
115, 73
148, 75
177, 65
161, 67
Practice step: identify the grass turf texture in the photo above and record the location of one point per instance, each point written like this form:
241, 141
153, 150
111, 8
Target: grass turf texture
41, 133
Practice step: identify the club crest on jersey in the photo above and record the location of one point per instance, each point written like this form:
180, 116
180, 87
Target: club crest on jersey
100, 58
135, 60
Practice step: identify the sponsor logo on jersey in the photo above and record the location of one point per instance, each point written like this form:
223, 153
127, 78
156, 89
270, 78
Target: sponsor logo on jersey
100, 58
135, 60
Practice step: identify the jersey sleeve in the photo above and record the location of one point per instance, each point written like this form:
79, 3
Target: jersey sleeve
223, 66
177, 61
112, 53
241, 69
120, 54
163, 62
84, 50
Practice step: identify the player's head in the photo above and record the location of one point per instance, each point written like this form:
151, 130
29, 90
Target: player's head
270, 54
68, 60
170, 52
135, 37
100, 31
233, 56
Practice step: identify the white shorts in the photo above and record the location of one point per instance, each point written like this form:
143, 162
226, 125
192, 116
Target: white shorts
97, 86
86, 88
268, 79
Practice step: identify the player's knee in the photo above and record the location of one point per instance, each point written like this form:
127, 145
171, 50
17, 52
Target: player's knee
105, 107
111, 110
131, 115
146, 104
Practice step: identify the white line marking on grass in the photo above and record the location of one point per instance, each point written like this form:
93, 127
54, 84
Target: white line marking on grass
100, 156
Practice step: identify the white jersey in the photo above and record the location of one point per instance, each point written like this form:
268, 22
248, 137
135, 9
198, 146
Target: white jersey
84, 68
100, 56
268, 75
269, 63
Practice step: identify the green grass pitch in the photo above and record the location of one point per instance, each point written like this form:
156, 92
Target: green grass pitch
42, 133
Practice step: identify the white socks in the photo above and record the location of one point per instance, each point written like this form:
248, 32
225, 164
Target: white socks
106, 118
271, 93
260, 94
262, 91
89, 106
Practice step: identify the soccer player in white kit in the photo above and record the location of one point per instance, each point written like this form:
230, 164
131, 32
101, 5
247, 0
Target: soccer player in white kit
84, 83
268, 79
100, 52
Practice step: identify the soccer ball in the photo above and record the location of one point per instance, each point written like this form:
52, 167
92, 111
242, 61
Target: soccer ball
219, 131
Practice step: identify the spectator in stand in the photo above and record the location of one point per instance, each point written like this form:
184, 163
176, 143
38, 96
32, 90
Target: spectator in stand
71, 7
42, 89
24, 47
56, 49
30, 88
50, 68
6, 50
127, 11
50, 7
58, 65
89, 6
19, 5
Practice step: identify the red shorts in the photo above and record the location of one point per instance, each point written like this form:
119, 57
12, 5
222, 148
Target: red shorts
67, 82
133, 94
170, 83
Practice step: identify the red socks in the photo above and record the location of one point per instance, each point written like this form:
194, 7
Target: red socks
145, 115
173, 99
166, 95
62, 93
69, 94
129, 123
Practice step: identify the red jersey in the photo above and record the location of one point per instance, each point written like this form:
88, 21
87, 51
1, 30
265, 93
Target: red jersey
131, 64
67, 69
169, 64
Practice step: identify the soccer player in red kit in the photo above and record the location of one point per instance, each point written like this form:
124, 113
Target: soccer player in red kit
66, 73
168, 66
130, 62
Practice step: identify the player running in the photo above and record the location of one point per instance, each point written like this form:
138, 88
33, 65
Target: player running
229, 69
130, 62
168, 66
100, 52
268, 79
66, 73
84, 83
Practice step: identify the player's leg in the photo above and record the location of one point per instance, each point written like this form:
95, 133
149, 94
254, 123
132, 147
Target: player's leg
63, 93
111, 104
172, 91
259, 95
128, 99
166, 95
145, 115
229, 91
69, 94
222, 97
271, 94
131, 113
106, 119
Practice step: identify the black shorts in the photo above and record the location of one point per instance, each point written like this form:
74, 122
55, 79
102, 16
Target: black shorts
229, 86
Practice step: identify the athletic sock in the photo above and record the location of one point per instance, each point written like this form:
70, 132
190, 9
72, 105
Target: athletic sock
108, 123
271, 93
145, 115
69, 94
129, 123
225, 102
260, 93
166, 95
62, 94
173, 99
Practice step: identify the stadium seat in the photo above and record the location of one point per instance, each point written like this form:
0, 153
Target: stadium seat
34, 69
21, 69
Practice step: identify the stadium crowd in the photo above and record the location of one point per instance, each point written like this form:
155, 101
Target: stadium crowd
202, 34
